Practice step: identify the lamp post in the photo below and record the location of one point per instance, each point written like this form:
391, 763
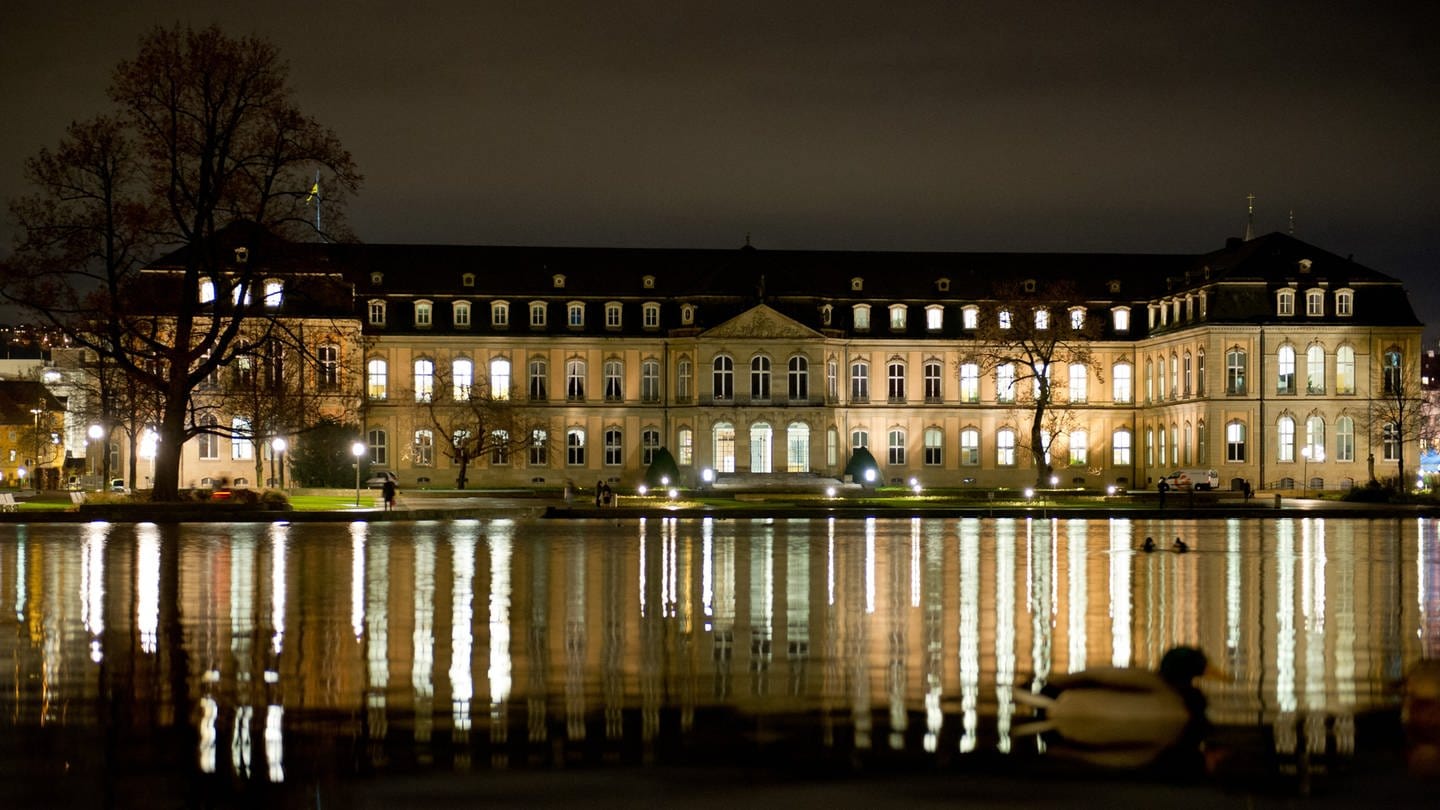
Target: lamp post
357, 450
95, 434
277, 448
1305, 472
35, 459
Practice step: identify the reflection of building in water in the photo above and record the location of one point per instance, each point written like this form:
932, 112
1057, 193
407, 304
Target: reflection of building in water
909, 622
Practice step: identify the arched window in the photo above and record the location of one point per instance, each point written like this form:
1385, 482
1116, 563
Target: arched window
1122, 383
1315, 370
1285, 370
724, 447
895, 381
969, 447
1345, 370
859, 381
934, 387
684, 447
799, 388
684, 379
1235, 442
499, 378
797, 447
759, 378
575, 379
614, 380
376, 378
1345, 439
539, 379
1005, 447
1235, 372
1315, 438
969, 382
461, 378
424, 380
575, 447
723, 379
1390, 374
761, 448
1285, 438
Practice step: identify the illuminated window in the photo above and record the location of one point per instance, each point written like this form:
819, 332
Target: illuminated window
539, 447
897, 317
499, 446
274, 292
377, 379
207, 291
1120, 448
499, 378
424, 380
1235, 442
723, 447
241, 446
575, 447
969, 382
1345, 370
1004, 318
934, 317
685, 447
1042, 320
377, 313
423, 314
1079, 382
1005, 383
1315, 370
1005, 447
424, 448
462, 376
797, 447
969, 447
1120, 319
1285, 439
1079, 449
460, 314
1077, 318
862, 317
970, 317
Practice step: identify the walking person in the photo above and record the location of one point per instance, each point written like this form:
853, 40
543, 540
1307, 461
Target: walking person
388, 492
1163, 488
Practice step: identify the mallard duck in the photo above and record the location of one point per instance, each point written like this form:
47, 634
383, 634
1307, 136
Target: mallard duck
1124, 717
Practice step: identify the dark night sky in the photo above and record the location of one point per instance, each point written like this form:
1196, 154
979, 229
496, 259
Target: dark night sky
1031, 126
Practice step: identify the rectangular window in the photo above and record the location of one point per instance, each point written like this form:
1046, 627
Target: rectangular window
1315, 303
651, 316
379, 443
934, 391
575, 315
462, 315
649, 443
539, 370
862, 317
1344, 303
537, 315
1005, 448
1005, 383
327, 359
612, 316
1122, 386
897, 448
424, 380
934, 317
424, 448
832, 380
499, 447
575, 380
377, 313
1120, 448
650, 382
614, 391
969, 382
1235, 372
614, 451
895, 383
684, 374
1235, 442
799, 379
969, 447
934, 447
897, 318
462, 377
539, 447
499, 314
859, 382
1079, 382
423, 317
1079, 449
575, 447
685, 441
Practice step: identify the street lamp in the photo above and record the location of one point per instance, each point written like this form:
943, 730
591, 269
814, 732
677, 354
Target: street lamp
35, 459
357, 450
1309, 452
96, 434
277, 448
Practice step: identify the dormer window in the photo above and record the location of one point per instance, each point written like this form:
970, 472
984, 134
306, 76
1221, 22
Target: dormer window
377, 312
1314, 303
1113, 285
1305, 265
862, 317
827, 312
1077, 318
1285, 303
857, 284
1028, 285
1120, 319
207, 291
558, 281
460, 314
424, 314
1003, 318
274, 292
612, 315
934, 317
897, 317
1344, 303
647, 282
1042, 319
467, 279
942, 284
687, 314
575, 315
650, 315
242, 255
500, 314
970, 317
240, 294
537, 314
377, 278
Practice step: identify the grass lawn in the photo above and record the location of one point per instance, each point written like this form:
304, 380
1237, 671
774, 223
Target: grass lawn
332, 503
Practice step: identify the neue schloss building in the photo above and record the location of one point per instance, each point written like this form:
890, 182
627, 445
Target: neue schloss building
1262, 360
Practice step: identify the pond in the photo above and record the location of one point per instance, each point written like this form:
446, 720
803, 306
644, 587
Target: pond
233, 663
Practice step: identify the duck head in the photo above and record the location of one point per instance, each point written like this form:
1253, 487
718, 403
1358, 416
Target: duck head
1182, 665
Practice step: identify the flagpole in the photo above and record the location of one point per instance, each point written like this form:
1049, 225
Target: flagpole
317, 202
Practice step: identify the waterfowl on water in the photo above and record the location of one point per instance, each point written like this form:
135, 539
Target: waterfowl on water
1180, 547
1123, 717
1149, 544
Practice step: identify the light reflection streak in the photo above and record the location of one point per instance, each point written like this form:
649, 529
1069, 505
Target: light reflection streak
242, 629
278, 536
275, 743
1122, 555
934, 618
209, 714
1313, 567
1234, 603
707, 570
575, 642
357, 578
1005, 657
422, 662
969, 633
500, 671
147, 585
92, 586
377, 639
897, 675
641, 567
870, 565
762, 609
915, 524
1285, 697
1079, 596
797, 607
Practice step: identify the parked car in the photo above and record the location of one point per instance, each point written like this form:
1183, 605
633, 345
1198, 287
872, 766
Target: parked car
118, 485
378, 480
1199, 480
72, 484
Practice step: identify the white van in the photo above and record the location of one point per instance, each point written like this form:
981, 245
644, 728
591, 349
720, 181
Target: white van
1198, 480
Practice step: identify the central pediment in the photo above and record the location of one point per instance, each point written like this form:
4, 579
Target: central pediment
761, 321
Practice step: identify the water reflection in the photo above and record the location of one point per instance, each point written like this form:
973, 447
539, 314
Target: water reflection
907, 635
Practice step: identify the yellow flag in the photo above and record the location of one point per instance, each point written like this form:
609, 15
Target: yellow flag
314, 191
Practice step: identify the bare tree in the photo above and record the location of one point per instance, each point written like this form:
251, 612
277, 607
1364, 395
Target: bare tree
468, 422
1028, 338
206, 135
1396, 416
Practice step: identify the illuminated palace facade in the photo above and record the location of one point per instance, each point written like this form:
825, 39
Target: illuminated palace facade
1263, 360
